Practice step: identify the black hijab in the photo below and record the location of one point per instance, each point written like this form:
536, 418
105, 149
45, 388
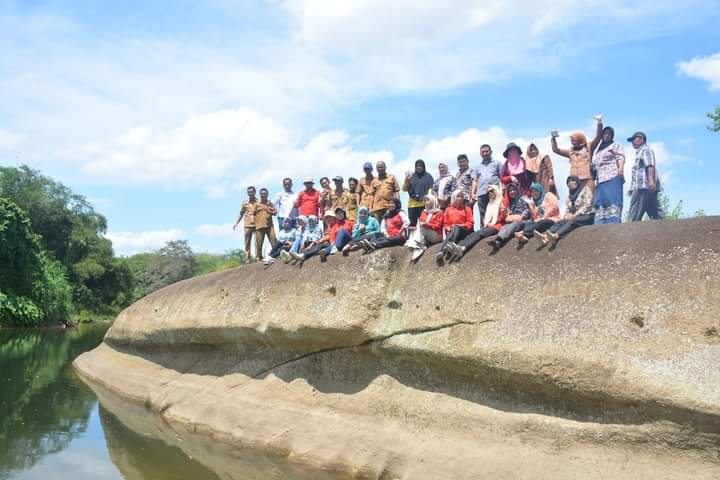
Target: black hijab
421, 183
603, 144
573, 194
397, 206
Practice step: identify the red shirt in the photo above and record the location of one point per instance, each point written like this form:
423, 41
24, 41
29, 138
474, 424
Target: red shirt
394, 224
308, 203
435, 223
462, 216
333, 231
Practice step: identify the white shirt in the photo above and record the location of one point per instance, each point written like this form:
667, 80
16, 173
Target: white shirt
285, 204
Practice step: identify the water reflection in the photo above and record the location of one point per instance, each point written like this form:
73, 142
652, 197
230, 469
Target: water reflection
41, 408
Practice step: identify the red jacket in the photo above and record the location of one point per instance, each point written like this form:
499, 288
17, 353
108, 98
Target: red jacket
333, 231
462, 216
435, 223
308, 203
501, 216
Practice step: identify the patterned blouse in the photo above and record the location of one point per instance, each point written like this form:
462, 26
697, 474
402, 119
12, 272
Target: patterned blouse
606, 162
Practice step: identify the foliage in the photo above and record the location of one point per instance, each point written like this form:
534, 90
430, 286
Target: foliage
71, 232
676, 212
715, 117
33, 287
208, 262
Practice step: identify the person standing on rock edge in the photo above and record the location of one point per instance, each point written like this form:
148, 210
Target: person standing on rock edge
645, 182
326, 197
285, 204
388, 189
349, 199
488, 173
337, 192
444, 185
466, 179
418, 184
367, 188
308, 201
248, 210
514, 171
580, 154
263, 223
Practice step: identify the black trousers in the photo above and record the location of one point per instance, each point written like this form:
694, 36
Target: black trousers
563, 227
414, 215
384, 242
644, 201
315, 249
275, 252
482, 203
540, 226
470, 241
457, 233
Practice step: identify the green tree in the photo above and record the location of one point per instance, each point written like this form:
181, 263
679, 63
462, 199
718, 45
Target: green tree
715, 117
73, 233
173, 262
33, 288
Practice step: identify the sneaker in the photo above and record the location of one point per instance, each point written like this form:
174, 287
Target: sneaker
440, 257
554, 237
346, 251
417, 253
454, 248
323, 255
333, 250
495, 244
285, 256
541, 237
521, 238
370, 245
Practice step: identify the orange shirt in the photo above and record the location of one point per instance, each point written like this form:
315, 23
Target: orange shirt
462, 216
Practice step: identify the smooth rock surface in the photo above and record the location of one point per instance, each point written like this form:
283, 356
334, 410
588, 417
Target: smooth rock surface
598, 359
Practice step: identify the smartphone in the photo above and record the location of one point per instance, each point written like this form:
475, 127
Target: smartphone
554, 133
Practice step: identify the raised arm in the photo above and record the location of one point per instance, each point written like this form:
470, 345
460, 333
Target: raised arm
598, 137
560, 151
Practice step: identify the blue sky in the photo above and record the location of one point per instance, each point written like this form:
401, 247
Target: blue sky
162, 112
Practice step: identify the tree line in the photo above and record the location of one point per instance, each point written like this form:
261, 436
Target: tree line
57, 266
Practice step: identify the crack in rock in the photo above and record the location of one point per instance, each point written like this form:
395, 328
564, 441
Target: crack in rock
380, 338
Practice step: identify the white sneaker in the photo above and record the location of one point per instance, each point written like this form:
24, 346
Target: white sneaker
333, 250
285, 256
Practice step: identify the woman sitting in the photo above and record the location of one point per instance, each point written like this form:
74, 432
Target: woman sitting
516, 213
366, 228
544, 213
457, 222
429, 229
494, 220
285, 241
393, 230
336, 237
579, 212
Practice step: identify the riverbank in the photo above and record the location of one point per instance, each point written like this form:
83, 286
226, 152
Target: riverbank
588, 360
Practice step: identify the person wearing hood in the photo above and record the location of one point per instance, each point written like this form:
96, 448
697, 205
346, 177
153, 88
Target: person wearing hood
365, 228
540, 167
418, 184
516, 213
514, 170
609, 165
286, 237
544, 213
579, 155
488, 173
579, 212
393, 228
493, 221
457, 223
429, 228
444, 185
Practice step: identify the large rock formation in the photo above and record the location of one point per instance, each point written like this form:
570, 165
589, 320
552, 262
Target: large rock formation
598, 359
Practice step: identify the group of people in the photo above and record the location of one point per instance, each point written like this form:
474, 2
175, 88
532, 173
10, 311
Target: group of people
516, 198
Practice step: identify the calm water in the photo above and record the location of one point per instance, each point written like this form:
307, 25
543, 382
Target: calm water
52, 426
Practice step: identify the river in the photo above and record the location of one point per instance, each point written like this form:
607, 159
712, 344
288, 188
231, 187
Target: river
52, 425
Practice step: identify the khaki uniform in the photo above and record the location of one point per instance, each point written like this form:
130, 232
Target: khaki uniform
387, 188
264, 226
248, 211
349, 201
366, 190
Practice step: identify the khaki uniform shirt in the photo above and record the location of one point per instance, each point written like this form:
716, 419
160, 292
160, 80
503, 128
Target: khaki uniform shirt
348, 201
264, 214
249, 210
385, 193
366, 189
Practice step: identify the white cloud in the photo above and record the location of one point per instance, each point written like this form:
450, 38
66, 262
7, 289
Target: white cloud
128, 243
224, 230
703, 68
9, 141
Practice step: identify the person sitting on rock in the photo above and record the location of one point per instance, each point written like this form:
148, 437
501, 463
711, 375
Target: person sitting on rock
301, 222
393, 228
544, 212
516, 213
429, 229
457, 223
336, 236
285, 241
493, 221
312, 234
579, 212
365, 228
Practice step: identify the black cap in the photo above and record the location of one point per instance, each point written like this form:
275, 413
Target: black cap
509, 147
637, 134
338, 179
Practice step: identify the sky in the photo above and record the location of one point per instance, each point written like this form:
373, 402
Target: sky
161, 112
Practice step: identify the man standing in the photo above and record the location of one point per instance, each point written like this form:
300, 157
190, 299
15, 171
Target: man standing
308, 201
337, 192
248, 210
263, 223
466, 179
285, 203
488, 173
388, 189
645, 182
367, 188
349, 199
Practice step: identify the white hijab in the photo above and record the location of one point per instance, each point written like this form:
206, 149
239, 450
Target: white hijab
493, 207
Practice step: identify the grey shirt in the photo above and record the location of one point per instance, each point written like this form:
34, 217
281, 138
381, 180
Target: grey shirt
488, 173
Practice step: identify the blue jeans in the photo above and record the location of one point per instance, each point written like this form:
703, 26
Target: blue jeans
296, 246
342, 239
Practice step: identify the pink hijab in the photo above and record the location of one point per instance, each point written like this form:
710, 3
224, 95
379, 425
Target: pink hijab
515, 163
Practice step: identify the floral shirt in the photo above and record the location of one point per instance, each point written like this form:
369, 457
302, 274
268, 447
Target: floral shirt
644, 157
465, 180
606, 162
